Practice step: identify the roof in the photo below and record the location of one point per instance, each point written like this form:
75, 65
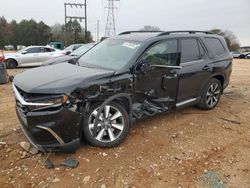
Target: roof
142, 36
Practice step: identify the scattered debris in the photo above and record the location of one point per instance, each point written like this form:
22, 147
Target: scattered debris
56, 180
103, 186
104, 154
231, 121
212, 179
2, 143
48, 164
25, 145
70, 163
86, 179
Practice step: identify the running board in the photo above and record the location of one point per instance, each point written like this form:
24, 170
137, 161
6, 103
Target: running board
188, 102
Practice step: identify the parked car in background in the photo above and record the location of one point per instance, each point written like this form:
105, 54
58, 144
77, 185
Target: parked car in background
71, 58
236, 54
126, 77
31, 56
57, 45
2, 57
248, 55
72, 48
9, 47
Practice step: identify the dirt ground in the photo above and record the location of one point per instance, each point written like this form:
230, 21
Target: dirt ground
188, 148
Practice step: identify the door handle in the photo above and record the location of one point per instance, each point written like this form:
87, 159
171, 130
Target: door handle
206, 68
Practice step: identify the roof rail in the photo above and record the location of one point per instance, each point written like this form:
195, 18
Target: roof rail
190, 32
142, 31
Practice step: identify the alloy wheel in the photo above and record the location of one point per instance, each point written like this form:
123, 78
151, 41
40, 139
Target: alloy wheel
213, 95
110, 124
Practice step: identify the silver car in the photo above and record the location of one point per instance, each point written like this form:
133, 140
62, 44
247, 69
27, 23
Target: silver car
31, 56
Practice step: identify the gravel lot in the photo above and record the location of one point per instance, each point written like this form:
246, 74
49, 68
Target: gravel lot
188, 148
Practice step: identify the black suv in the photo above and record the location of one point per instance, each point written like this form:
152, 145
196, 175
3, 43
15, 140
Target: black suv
124, 78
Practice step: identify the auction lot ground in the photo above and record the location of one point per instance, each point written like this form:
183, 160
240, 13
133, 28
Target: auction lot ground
188, 148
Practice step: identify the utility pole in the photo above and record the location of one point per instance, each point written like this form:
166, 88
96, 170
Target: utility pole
98, 30
80, 18
110, 25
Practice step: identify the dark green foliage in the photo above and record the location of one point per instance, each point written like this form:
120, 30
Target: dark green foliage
29, 32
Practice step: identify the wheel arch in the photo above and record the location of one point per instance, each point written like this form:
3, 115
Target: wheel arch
117, 97
11, 58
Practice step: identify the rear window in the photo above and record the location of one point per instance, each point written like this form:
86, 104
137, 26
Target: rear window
189, 50
215, 45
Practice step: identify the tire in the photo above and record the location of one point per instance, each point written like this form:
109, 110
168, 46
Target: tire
113, 125
11, 64
211, 95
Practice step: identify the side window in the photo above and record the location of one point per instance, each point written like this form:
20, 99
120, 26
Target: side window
189, 50
46, 50
163, 53
201, 49
215, 45
33, 50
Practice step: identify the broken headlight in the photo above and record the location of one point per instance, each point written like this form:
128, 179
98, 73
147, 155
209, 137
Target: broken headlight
47, 102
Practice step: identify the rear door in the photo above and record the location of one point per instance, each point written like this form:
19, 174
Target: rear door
31, 57
46, 54
196, 69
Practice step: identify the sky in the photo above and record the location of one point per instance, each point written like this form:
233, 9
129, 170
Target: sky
168, 15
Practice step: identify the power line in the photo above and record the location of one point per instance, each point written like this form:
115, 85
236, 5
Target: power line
80, 18
110, 29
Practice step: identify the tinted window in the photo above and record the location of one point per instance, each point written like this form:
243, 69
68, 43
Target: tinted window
189, 50
201, 49
33, 50
47, 50
164, 53
215, 45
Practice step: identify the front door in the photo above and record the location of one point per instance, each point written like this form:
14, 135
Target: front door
156, 78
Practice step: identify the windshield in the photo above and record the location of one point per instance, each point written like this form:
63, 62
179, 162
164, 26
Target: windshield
80, 51
110, 54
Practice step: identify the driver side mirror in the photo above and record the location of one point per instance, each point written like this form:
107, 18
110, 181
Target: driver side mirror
24, 52
68, 52
142, 66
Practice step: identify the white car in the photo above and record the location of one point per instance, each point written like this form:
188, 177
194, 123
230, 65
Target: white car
31, 56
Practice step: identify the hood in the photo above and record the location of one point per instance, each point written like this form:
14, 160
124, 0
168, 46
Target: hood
58, 79
60, 59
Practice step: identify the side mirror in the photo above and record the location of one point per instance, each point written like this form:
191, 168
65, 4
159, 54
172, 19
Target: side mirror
24, 52
142, 66
68, 52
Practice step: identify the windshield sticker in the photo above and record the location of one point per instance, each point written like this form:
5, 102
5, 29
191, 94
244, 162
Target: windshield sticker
130, 45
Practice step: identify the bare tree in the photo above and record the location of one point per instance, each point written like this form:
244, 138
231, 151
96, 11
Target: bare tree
232, 41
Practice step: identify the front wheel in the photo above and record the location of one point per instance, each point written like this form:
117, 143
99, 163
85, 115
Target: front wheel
11, 64
112, 126
211, 95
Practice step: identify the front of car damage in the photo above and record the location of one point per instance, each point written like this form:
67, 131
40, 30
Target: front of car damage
49, 104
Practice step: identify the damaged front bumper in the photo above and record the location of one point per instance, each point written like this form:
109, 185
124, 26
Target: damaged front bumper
51, 130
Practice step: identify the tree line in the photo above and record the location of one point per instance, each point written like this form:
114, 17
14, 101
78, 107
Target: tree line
30, 32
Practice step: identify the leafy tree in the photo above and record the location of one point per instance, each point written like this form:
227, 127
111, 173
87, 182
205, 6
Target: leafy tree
29, 32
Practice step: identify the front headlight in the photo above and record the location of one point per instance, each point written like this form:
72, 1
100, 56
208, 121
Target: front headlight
47, 102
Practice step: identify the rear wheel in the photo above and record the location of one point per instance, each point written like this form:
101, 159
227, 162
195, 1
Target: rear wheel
112, 126
11, 64
211, 95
